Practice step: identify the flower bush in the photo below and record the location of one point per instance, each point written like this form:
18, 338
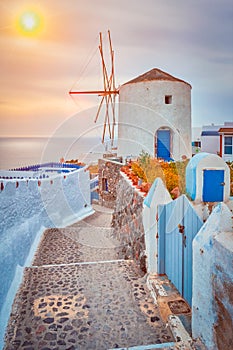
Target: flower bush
136, 168
172, 173
147, 169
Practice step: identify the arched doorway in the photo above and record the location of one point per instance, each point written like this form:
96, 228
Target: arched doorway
163, 143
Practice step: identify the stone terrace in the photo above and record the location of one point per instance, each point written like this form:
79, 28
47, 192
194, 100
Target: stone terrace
78, 295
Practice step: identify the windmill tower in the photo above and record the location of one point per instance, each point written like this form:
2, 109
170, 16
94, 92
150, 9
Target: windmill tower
154, 112
155, 116
108, 94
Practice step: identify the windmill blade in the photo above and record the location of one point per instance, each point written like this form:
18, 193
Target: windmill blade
108, 93
104, 69
107, 87
105, 123
99, 108
112, 85
108, 119
108, 82
112, 58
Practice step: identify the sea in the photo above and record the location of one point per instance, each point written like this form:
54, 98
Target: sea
17, 152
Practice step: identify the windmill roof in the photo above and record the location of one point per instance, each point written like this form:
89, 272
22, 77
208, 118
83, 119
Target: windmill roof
155, 74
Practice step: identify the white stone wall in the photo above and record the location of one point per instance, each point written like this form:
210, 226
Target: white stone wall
27, 207
142, 111
210, 144
158, 194
212, 307
57, 199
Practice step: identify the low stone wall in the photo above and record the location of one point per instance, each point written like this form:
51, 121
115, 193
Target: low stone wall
127, 222
109, 175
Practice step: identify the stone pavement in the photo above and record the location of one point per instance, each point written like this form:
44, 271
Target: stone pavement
78, 295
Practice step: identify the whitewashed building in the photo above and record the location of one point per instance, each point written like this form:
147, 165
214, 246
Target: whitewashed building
155, 116
210, 141
218, 139
226, 142
208, 178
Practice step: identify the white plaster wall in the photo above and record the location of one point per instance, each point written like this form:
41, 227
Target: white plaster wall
160, 195
142, 111
26, 209
210, 144
56, 200
214, 162
207, 254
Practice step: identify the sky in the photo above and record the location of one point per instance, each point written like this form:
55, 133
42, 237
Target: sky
191, 40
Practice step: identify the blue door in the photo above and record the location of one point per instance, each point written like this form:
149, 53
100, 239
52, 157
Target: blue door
163, 144
178, 223
213, 185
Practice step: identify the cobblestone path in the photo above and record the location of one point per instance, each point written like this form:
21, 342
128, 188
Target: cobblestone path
77, 295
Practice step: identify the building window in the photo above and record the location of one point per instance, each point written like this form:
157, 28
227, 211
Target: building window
168, 99
228, 145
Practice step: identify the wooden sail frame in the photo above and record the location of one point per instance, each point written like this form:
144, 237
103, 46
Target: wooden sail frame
108, 94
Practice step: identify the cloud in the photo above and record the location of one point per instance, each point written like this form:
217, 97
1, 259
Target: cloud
189, 39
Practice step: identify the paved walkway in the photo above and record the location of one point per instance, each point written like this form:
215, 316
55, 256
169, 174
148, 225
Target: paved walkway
78, 295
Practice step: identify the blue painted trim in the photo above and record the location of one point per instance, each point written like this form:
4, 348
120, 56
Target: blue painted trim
147, 347
210, 133
175, 257
161, 232
48, 165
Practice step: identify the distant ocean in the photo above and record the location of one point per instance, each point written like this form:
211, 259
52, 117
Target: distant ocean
21, 151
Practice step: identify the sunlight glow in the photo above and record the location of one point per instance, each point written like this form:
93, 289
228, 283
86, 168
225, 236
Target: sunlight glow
30, 23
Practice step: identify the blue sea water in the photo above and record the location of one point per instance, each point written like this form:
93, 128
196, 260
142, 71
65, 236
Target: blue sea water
21, 151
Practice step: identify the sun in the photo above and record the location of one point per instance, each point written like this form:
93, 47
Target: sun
29, 23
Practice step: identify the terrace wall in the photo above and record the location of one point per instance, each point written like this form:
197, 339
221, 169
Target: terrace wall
27, 207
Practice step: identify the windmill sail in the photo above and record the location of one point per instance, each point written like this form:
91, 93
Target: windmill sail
108, 94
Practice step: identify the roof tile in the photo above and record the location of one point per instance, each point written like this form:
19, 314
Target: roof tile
155, 74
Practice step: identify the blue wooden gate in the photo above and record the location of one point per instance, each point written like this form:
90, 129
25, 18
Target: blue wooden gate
163, 144
178, 223
213, 185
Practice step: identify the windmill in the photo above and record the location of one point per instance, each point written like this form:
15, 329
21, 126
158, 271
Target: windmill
108, 94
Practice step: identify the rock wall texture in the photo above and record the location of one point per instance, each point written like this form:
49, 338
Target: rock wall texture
127, 222
109, 175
